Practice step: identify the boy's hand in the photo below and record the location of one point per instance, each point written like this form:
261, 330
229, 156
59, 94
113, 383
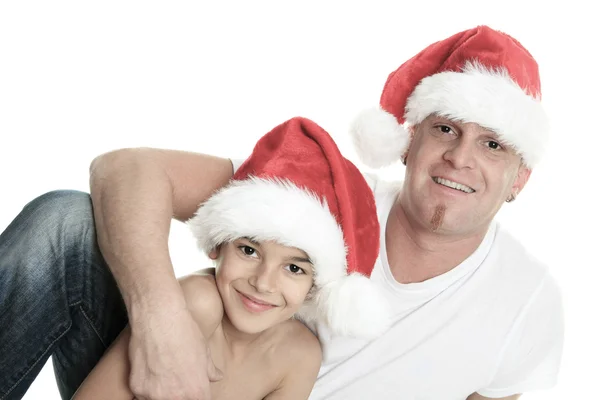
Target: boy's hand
170, 358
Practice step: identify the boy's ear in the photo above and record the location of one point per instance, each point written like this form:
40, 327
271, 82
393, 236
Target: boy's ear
214, 253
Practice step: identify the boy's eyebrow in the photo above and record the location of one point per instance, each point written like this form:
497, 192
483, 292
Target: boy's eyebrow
294, 258
254, 242
301, 259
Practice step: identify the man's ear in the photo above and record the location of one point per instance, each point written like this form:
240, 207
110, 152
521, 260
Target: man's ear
523, 175
411, 131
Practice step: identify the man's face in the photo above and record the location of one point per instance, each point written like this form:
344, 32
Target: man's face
262, 284
458, 175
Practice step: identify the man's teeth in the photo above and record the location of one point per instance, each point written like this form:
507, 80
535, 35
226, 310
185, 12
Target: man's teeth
453, 185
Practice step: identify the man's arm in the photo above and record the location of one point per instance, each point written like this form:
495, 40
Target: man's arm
136, 193
476, 396
110, 377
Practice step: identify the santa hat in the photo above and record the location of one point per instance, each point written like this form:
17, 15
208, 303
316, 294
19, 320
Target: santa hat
298, 190
480, 75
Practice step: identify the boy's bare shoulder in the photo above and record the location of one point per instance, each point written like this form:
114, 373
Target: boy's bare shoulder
298, 358
296, 330
203, 300
298, 344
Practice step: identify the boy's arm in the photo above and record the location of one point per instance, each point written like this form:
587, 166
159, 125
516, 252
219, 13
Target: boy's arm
109, 378
203, 300
135, 194
303, 367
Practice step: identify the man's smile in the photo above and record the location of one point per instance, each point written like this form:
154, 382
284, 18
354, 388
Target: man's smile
453, 185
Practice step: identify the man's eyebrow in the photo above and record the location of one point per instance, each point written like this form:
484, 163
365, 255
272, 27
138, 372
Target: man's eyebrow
491, 132
495, 137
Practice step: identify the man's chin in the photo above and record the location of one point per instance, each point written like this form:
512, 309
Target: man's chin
437, 219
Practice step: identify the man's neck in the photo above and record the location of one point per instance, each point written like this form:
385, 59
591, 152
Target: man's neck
416, 254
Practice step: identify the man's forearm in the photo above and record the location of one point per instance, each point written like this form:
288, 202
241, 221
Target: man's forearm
135, 194
132, 200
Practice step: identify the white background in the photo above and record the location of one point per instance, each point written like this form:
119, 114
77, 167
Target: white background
79, 78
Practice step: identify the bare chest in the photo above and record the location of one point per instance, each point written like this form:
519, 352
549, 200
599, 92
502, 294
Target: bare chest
251, 377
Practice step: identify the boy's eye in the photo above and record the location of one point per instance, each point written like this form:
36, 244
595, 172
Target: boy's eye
247, 250
295, 269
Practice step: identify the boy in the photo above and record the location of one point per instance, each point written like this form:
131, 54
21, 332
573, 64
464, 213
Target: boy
284, 235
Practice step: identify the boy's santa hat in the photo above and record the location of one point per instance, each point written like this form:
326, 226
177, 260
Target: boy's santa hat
480, 75
298, 190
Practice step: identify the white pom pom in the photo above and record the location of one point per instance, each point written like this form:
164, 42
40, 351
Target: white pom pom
354, 306
378, 137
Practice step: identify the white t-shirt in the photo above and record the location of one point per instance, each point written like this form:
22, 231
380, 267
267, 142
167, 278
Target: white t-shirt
492, 325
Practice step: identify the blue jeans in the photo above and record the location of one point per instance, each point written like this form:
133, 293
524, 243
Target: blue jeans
57, 295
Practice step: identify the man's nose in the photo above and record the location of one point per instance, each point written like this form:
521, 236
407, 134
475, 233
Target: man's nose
461, 153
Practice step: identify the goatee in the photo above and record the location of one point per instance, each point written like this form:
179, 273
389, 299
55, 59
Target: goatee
438, 217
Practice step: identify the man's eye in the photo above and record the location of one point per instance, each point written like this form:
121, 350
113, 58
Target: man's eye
494, 145
444, 130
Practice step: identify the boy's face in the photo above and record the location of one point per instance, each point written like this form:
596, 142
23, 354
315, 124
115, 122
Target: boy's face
262, 284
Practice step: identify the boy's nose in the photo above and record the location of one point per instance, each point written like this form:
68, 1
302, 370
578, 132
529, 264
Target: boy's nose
265, 279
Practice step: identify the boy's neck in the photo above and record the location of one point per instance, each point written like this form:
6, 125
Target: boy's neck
238, 342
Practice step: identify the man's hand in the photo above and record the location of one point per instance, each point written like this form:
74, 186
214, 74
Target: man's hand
170, 359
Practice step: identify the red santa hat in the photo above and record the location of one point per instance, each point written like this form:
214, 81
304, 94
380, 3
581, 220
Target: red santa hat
298, 190
480, 75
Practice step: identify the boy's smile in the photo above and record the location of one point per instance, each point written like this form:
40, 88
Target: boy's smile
253, 304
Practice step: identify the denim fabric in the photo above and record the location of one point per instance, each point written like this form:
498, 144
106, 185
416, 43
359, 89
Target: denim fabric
57, 295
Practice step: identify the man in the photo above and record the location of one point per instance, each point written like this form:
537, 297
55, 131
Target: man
476, 315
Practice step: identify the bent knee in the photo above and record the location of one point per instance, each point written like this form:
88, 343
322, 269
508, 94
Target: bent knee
60, 209
60, 202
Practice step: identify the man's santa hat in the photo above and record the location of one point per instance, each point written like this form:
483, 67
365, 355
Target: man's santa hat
479, 75
298, 190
